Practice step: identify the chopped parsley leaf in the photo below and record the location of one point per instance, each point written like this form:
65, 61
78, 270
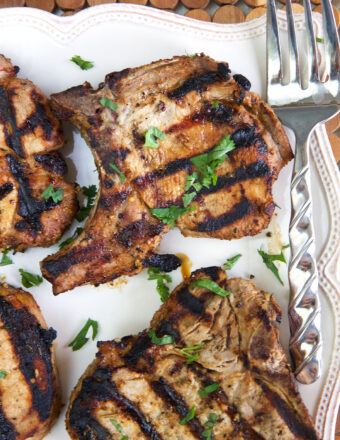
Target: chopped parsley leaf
151, 135
171, 214
269, 259
3, 374
90, 192
208, 389
69, 240
163, 340
161, 278
121, 175
5, 260
190, 415
210, 423
30, 280
215, 104
210, 285
191, 55
84, 65
231, 262
56, 196
105, 102
191, 356
119, 429
80, 340
188, 198
319, 40
191, 180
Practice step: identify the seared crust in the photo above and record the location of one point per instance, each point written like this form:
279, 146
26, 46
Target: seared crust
147, 389
177, 97
29, 395
29, 134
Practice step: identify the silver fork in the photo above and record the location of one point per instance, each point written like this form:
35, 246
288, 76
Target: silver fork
301, 104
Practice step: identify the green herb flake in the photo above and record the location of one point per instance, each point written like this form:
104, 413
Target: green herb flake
80, 340
151, 135
3, 374
108, 103
188, 351
215, 104
209, 389
163, 340
56, 196
171, 214
5, 260
69, 240
210, 285
119, 429
84, 65
121, 175
188, 198
30, 280
191, 180
161, 278
231, 262
90, 192
190, 415
269, 259
320, 40
207, 163
191, 55
210, 423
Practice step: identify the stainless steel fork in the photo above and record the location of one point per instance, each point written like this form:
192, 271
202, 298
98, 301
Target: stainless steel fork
301, 102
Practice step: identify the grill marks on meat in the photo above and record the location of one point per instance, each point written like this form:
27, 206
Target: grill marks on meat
176, 96
149, 388
27, 356
28, 135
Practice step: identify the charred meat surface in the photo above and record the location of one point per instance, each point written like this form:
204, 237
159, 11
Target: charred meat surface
29, 136
29, 395
196, 104
239, 382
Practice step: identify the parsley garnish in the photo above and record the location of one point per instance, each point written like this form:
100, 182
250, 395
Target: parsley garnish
215, 104
191, 55
84, 65
207, 433
119, 429
191, 356
56, 196
171, 214
81, 339
188, 198
163, 340
3, 374
210, 285
207, 163
190, 415
268, 261
191, 180
30, 280
209, 389
121, 175
69, 240
319, 40
231, 261
151, 135
163, 290
5, 260
90, 192
105, 102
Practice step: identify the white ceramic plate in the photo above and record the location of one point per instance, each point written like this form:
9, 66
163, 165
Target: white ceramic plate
119, 36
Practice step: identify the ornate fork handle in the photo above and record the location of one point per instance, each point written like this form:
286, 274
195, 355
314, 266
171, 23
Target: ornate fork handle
304, 308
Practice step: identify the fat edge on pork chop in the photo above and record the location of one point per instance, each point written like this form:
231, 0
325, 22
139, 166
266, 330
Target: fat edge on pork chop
221, 373
196, 104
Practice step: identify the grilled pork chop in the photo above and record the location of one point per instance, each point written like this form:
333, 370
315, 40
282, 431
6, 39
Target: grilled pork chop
29, 134
29, 398
196, 103
136, 389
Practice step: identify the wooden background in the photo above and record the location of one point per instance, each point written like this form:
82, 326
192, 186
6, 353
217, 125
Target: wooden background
220, 11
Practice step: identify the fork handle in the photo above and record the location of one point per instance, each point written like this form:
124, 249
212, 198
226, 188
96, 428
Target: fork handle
304, 307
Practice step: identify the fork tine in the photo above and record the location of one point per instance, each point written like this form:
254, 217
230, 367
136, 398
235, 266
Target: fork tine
331, 39
294, 66
313, 69
274, 60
